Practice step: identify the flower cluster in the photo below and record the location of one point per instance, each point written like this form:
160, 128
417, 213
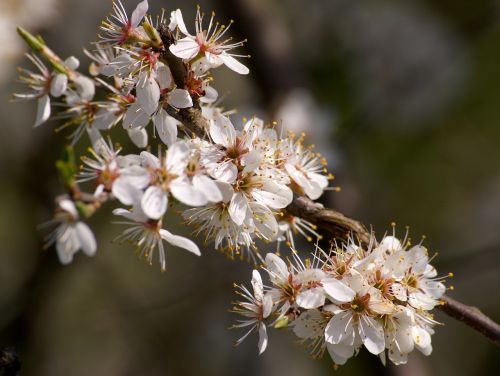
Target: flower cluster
235, 181
378, 297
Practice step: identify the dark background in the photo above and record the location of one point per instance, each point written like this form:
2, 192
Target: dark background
402, 97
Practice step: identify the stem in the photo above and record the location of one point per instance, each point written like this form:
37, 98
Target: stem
340, 226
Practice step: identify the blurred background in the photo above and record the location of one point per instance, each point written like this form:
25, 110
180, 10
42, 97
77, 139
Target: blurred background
402, 97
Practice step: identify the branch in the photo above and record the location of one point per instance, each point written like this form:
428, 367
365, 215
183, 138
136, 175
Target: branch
340, 226
473, 317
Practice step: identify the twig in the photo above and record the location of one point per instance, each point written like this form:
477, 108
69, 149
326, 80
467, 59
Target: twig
340, 226
473, 317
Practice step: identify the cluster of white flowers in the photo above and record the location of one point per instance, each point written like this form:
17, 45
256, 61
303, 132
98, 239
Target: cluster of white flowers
378, 297
234, 184
237, 181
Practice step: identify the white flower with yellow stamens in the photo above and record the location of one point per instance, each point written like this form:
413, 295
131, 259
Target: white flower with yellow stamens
208, 43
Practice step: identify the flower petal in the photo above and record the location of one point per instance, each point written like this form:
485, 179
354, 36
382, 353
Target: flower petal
238, 208
139, 13
166, 126
186, 193
208, 187
222, 131
86, 238
180, 98
263, 340
179, 21
180, 241
43, 110
58, 85
338, 290
233, 64
185, 48
148, 93
340, 328
312, 298
371, 332
154, 202
278, 271
139, 137
85, 87
135, 117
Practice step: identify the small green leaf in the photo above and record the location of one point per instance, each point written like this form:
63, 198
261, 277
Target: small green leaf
67, 167
281, 323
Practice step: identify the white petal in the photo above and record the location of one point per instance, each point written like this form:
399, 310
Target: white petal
135, 117
222, 131
262, 338
72, 63
85, 87
213, 60
180, 241
312, 298
278, 271
186, 193
154, 202
58, 85
267, 305
339, 351
66, 247
164, 76
124, 191
338, 290
273, 195
139, 137
148, 93
185, 48
422, 340
371, 332
225, 171
208, 187
340, 328
139, 13
86, 238
251, 161
180, 98
179, 21
177, 157
258, 287
308, 324
104, 119
226, 190
234, 64
238, 208
210, 95
264, 221
68, 206
166, 126
43, 110
149, 160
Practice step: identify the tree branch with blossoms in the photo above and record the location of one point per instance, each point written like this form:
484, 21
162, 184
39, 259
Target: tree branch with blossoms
237, 186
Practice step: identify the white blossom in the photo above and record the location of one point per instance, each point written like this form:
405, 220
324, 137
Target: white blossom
212, 43
148, 235
70, 234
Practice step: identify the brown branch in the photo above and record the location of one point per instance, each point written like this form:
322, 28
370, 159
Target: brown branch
340, 226
473, 317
